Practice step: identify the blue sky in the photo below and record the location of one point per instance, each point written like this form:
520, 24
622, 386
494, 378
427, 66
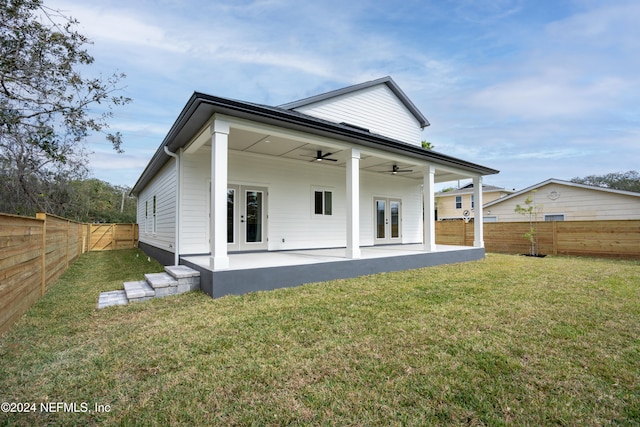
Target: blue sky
536, 89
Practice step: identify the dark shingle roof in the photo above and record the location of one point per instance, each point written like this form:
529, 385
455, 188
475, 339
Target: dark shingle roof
201, 107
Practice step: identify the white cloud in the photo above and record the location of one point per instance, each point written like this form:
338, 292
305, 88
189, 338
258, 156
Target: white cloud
487, 11
102, 24
549, 96
612, 24
518, 91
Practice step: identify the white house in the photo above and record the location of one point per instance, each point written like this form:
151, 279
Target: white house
344, 169
558, 200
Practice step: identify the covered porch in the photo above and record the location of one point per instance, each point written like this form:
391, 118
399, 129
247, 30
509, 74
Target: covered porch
260, 271
260, 176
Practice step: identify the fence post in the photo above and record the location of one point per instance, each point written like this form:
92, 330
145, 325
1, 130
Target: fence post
67, 249
554, 232
464, 233
465, 224
43, 217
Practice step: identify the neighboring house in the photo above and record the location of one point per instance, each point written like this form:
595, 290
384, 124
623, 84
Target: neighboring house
460, 203
344, 169
557, 200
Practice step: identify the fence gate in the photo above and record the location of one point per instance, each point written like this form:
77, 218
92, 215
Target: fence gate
106, 237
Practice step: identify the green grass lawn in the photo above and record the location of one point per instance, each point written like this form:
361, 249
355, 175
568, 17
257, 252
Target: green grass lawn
506, 340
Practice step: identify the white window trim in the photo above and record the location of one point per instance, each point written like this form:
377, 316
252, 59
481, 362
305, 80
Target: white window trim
564, 216
154, 229
455, 201
324, 190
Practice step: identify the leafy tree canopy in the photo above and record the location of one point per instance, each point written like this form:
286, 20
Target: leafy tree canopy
45, 104
626, 181
427, 145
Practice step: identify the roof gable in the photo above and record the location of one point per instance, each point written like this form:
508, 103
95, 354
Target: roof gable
388, 81
378, 106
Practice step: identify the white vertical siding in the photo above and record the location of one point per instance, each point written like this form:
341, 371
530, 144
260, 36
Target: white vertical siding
163, 187
291, 222
375, 108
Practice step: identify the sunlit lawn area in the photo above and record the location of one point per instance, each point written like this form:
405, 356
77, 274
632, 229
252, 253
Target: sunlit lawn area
507, 340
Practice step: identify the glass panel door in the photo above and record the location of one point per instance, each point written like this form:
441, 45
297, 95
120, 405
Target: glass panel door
381, 219
231, 196
251, 223
388, 220
394, 206
254, 214
246, 218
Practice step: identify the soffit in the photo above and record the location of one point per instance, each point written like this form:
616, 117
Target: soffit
264, 143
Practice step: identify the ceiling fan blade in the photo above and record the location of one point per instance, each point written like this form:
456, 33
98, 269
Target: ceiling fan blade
396, 170
322, 159
319, 157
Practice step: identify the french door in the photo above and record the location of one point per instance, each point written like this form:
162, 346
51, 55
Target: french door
388, 220
246, 218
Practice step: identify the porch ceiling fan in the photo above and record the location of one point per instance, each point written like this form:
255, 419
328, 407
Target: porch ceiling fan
396, 170
319, 157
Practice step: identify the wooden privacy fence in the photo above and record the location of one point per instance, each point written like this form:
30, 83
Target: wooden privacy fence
108, 237
34, 252
617, 239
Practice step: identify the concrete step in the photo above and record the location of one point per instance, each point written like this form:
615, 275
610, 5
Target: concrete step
162, 283
181, 271
160, 280
176, 280
188, 278
108, 299
139, 291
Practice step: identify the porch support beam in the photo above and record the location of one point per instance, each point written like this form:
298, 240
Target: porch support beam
478, 229
353, 204
429, 227
219, 172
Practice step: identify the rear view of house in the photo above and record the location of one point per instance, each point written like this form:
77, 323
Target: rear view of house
344, 170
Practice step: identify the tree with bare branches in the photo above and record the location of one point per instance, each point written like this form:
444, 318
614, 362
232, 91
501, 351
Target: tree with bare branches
45, 104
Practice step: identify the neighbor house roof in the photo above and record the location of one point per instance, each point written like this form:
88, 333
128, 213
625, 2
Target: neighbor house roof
561, 182
350, 89
468, 189
201, 107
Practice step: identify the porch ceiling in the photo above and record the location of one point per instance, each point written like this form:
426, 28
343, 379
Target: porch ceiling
290, 148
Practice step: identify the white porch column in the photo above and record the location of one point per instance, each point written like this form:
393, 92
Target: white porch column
219, 171
353, 204
429, 227
478, 231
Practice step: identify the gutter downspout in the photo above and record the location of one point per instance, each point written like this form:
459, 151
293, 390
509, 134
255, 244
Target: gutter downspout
176, 260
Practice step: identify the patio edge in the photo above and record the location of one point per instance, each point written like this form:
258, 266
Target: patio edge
237, 282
